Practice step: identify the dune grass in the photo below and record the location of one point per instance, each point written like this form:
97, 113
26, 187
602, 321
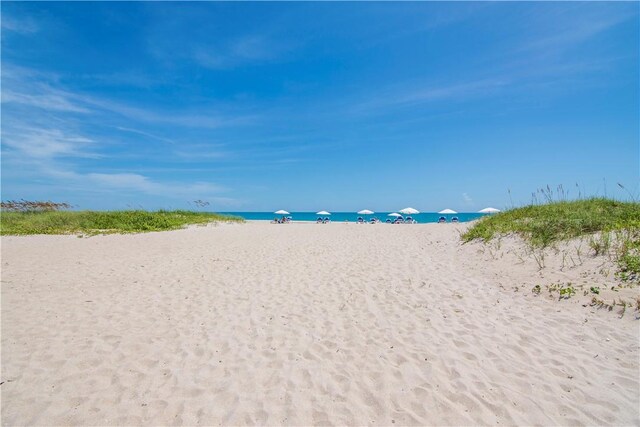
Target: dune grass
542, 225
102, 222
604, 221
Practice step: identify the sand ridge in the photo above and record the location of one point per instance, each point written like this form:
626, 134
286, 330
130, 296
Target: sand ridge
298, 324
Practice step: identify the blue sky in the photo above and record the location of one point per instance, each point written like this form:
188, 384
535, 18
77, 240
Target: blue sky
308, 106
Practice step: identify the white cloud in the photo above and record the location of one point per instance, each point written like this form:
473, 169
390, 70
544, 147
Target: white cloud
20, 26
419, 94
201, 155
244, 50
46, 172
210, 119
536, 56
47, 101
140, 183
48, 143
32, 89
202, 151
147, 134
566, 33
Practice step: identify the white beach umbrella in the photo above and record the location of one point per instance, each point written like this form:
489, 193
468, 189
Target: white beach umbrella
409, 211
323, 213
365, 212
448, 211
489, 210
394, 214
281, 212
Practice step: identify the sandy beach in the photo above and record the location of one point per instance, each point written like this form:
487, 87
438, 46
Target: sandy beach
305, 324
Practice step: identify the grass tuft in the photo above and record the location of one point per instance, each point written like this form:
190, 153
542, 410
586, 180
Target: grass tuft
102, 222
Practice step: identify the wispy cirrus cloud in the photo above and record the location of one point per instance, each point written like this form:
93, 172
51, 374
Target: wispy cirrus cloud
541, 57
50, 156
241, 51
147, 134
136, 182
567, 27
57, 134
38, 143
29, 88
48, 99
415, 94
206, 118
204, 153
186, 36
127, 78
19, 25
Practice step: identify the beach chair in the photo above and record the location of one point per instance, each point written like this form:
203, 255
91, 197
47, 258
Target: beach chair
388, 221
442, 220
360, 220
319, 221
455, 219
326, 221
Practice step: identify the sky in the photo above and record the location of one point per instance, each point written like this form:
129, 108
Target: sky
310, 106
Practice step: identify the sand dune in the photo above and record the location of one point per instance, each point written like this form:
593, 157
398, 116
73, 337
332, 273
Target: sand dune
303, 324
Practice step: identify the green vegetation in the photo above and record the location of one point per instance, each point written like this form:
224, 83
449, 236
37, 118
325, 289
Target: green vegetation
567, 292
545, 224
96, 222
629, 264
613, 228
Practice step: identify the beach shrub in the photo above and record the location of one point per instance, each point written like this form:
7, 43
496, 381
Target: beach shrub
96, 222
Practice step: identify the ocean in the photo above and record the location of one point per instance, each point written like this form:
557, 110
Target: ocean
424, 217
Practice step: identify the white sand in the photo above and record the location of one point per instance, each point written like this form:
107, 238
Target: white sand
302, 324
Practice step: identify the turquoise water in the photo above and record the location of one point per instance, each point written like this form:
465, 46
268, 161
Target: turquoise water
425, 217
